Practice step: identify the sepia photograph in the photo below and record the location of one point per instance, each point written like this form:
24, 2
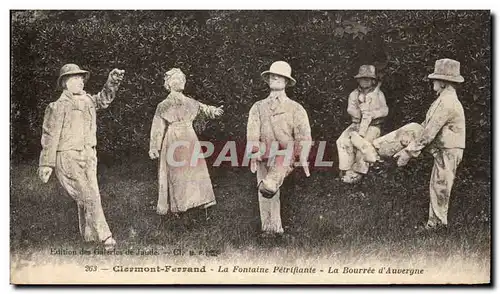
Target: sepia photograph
251, 147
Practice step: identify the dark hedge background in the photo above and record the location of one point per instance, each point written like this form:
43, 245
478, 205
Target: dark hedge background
223, 54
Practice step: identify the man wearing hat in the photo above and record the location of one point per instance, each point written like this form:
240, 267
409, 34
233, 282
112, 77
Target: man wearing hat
367, 108
68, 147
279, 130
442, 134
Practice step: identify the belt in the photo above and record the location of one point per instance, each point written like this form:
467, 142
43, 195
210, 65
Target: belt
85, 147
180, 124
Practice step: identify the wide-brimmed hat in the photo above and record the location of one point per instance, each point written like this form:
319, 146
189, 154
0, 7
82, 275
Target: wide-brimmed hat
71, 69
366, 71
280, 68
448, 70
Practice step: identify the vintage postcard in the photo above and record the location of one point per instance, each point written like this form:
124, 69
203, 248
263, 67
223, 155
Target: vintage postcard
250, 147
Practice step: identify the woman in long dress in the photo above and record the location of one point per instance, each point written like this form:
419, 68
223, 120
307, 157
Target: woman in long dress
184, 183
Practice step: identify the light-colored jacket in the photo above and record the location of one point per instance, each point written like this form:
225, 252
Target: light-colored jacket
70, 122
278, 119
373, 102
444, 125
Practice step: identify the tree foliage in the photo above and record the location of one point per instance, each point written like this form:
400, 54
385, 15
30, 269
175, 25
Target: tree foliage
223, 54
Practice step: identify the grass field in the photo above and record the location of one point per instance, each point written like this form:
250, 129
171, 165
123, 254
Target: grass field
374, 220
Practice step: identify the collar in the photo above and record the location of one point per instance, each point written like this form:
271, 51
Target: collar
280, 96
448, 91
70, 97
360, 90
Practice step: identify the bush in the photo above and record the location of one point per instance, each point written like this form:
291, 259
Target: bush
223, 54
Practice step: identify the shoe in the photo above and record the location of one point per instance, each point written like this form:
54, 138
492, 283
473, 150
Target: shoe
422, 229
109, 243
207, 205
265, 191
285, 237
266, 235
351, 177
438, 228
